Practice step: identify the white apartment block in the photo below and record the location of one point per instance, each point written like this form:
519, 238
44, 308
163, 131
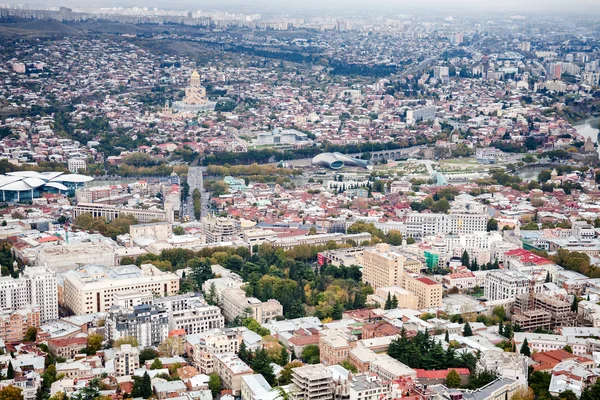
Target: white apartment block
506, 284
234, 303
76, 164
36, 287
147, 323
198, 319
539, 342
368, 387
423, 224
202, 347
127, 360
92, 288
111, 212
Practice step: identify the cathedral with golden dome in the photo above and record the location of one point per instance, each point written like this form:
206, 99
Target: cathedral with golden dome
195, 99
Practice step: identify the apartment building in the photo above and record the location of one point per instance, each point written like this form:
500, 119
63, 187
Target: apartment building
14, 323
36, 287
234, 303
110, 212
92, 288
383, 267
507, 284
197, 319
67, 347
405, 298
368, 387
147, 323
220, 229
255, 387
311, 382
202, 347
127, 360
335, 346
231, 369
457, 223
429, 292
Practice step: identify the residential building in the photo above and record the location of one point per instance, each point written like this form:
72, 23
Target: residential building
255, 387
14, 323
219, 229
428, 291
368, 387
390, 369
335, 345
110, 212
231, 369
507, 284
147, 323
127, 360
92, 288
77, 164
311, 382
234, 303
383, 267
36, 287
67, 347
202, 347
405, 298
197, 319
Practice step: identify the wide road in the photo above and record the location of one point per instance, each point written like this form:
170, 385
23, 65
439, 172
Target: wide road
195, 181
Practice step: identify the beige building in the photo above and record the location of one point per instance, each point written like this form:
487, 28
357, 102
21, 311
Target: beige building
429, 292
156, 230
220, 229
127, 360
111, 212
14, 323
406, 298
383, 267
311, 382
64, 257
335, 346
202, 347
234, 303
92, 288
231, 369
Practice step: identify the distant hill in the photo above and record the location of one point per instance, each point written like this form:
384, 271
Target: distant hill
43, 25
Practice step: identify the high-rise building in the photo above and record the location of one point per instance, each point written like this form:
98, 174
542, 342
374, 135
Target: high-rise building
219, 229
127, 360
36, 287
147, 323
311, 382
507, 284
383, 267
428, 291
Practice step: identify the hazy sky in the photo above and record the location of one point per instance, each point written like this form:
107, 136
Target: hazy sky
512, 6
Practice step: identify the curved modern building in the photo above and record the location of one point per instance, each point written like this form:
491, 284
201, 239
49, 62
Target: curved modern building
338, 160
26, 185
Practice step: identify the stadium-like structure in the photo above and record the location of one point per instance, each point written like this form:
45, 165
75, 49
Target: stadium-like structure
338, 160
21, 186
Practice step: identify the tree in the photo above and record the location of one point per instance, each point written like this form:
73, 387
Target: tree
94, 343
568, 349
214, 383
453, 379
524, 393
178, 230
31, 334
394, 238
467, 331
262, 365
464, 259
142, 386
243, 352
492, 225
201, 271
89, 392
156, 364
147, 354
447, 337
11, 393
525, 350
310, 354
388, 302
394, 302
284, 357
500, 328
574, 304
171, 346
10, 372
125, 340
285, 378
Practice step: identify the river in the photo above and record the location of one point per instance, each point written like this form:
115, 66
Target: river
589, 129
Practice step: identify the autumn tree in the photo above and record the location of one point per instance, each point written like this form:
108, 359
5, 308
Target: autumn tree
11, 392
453, 379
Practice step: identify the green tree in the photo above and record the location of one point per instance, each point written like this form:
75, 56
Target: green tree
156, 364
447, 337
147, 354
525, 350
10, 372
575, 304
467, 331
500, 328
262, 365
464, 259
178, 230
142, 386
492, 225
284, 357
310, 354
243, 352
568, 349
94, 343
201, 271
388, 302
31, 334
11, 392
214, 383
394, 238
453, 379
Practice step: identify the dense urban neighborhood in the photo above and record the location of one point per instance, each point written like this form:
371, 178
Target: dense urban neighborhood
230, 204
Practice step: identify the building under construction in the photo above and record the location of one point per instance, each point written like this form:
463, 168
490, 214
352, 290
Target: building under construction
533, 311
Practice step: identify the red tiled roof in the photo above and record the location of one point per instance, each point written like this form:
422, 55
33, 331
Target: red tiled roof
439, 373
426, 280
528, 257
